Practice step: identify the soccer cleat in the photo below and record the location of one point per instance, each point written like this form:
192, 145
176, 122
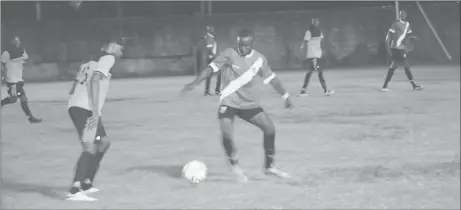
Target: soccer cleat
277, 173
385, 89
207, 94
33, 119
303, 92
417, 87
218, 93
79, 196
241, 177
88, 188
329, 92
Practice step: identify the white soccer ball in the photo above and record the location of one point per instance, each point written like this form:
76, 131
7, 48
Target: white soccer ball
195, 171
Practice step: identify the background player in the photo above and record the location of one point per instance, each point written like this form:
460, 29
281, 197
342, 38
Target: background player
13, 66
313, 60
396, 38
210, 53
239, 66
87, 97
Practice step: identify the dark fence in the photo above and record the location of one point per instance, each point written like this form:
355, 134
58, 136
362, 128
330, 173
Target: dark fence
165, 46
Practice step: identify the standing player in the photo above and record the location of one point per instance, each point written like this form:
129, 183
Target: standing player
314, 62
239, 66
210, 53
87, 97
13, 64
396, 38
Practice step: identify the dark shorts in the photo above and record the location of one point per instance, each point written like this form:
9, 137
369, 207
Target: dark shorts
79, 116
398, 55
245, 114
19, 88
309, 64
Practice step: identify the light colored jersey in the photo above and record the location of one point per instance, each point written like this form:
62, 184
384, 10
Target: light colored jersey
81, 97
237, 74
14, 67
398, 32
211, 45
314, 47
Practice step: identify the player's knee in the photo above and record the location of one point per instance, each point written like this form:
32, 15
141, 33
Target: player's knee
104, 145
269, 129
88, 147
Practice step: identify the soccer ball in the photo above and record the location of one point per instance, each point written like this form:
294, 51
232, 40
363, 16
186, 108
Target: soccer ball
195, 171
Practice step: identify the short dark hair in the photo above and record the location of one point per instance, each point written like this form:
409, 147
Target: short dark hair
246, 33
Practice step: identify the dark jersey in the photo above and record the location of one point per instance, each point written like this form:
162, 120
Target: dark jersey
238, 74
398, 33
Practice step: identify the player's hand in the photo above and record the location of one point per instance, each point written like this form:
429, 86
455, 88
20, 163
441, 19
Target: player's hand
13, 91
288, 103
188, 87
92, 121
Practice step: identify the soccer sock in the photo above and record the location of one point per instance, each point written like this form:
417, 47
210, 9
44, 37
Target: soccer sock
207, 84
98, 158
322, 81
306, 79
25, 108
230, 150
218, 83
6, 101
410, 77
269, 150
390, 73
83, 166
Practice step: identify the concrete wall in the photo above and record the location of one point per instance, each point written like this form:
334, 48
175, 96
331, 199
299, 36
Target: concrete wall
164, 46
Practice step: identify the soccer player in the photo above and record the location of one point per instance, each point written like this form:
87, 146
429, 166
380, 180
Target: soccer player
314, 62
239, 66
396, 38
13, 64
87, 96
210, 52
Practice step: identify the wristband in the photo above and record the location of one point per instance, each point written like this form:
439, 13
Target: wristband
285, 96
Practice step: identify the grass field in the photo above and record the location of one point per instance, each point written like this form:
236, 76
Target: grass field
360, 148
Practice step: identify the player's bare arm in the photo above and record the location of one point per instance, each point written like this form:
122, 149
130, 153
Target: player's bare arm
203, 75
278, 86
94, 96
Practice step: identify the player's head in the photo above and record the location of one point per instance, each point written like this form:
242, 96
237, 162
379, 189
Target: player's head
16, 41
315, 21
403, 15
245, 40
113, 48
210, 29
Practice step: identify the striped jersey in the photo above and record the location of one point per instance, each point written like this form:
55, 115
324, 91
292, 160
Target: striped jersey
398, 32
238, 73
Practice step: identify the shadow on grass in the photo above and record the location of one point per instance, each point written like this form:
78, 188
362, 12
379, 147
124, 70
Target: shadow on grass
55, 192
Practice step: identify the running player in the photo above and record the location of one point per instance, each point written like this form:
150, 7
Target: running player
13, 65
396, 39
239, 66
87, 97
313, 61
210, 53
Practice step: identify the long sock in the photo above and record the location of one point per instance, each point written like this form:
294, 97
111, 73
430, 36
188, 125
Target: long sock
390, 73
83, 166
410, 77
98, 158
207, 84
322, 81
306, 79
7, 101
25, 108
269, 150
230, 150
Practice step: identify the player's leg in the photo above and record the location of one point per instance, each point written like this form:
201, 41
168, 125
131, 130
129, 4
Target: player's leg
260, 119
79, 117
102, 144
406, 66
395, 58
307, 63
318, 65
226, 116
218, 83
25, 104
12, 97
